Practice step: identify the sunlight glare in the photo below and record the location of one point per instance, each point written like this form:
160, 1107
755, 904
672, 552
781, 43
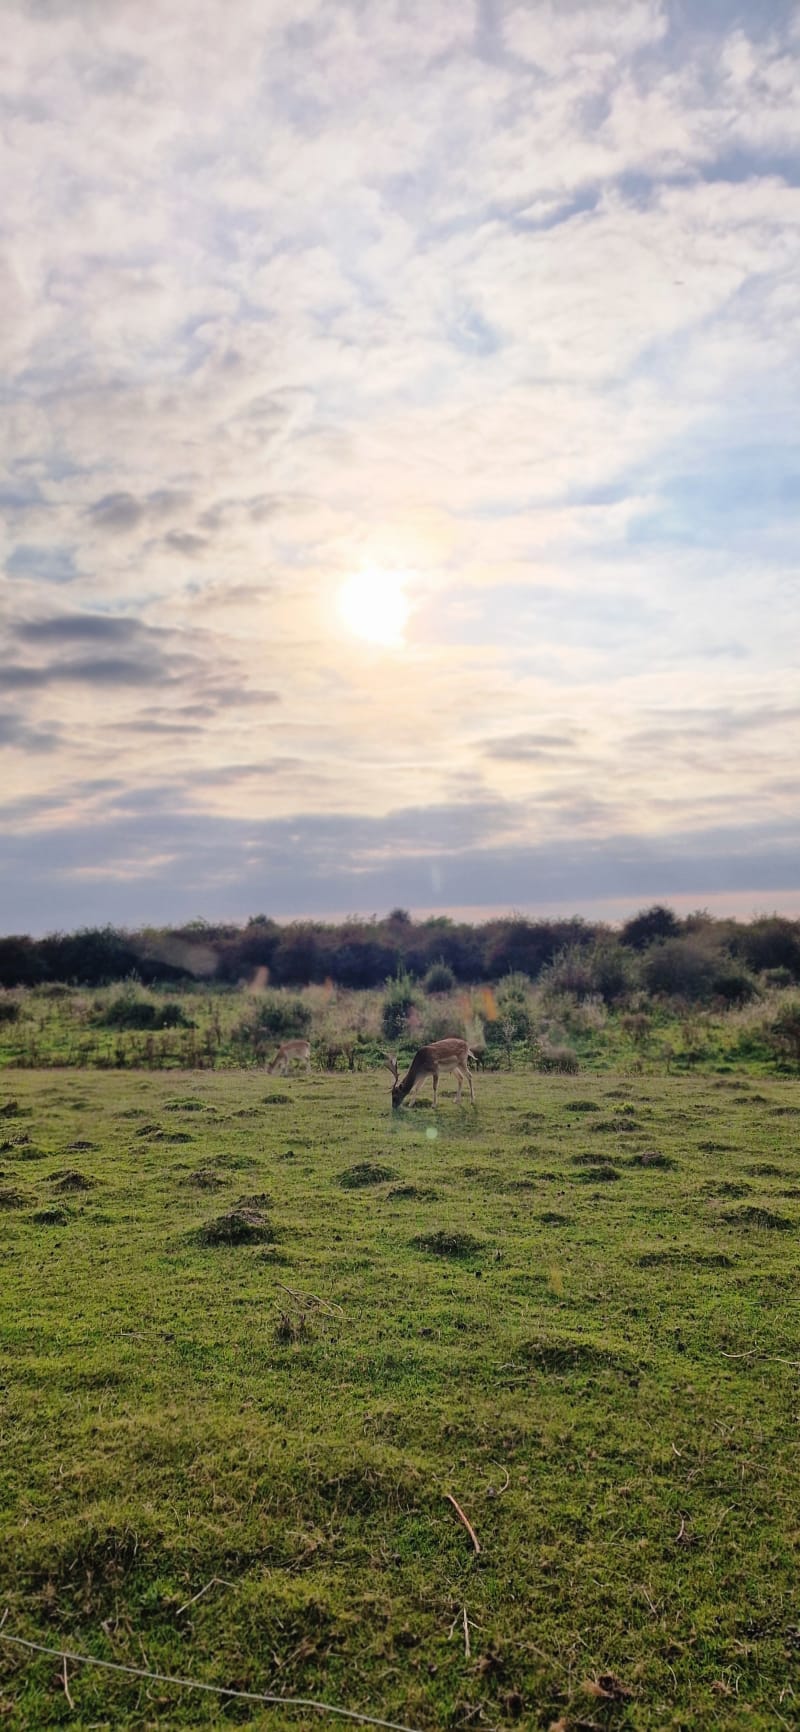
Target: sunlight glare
373, 605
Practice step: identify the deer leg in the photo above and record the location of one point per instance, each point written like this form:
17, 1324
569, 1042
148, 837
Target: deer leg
459, 1080
436, 1088
471, 1089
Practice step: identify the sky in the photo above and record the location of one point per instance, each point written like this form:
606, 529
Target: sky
399, 457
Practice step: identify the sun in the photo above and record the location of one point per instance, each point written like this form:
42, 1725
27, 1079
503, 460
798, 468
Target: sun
374, 605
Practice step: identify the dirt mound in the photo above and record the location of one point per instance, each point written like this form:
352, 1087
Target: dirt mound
413, 1193
443, 1244
365, 1173
754, 1217
652, 1158
52, 1217
11, 1199
604, 1175
71, 1180
238, 1226
205, 1179
81, 1147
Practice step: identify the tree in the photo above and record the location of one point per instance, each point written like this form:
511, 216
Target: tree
649, 926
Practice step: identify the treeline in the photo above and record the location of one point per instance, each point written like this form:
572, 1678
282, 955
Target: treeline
697, 958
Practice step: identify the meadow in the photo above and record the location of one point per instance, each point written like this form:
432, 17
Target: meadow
258, 1331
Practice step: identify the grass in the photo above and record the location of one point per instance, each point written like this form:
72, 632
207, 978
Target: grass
220, 1028
603, 1375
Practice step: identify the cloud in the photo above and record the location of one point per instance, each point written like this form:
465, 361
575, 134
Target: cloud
133, 867
15, 733
501, 296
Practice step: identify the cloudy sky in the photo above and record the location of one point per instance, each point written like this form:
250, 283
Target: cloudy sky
399, 457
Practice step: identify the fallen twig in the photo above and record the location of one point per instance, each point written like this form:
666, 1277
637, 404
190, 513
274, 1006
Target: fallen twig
66, 1684
303, 1298
465, 1519
210, 1689
216, 1581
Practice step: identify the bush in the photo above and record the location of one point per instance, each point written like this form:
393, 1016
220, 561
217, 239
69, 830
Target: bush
650, 926
734, 986
784, 1031
439, 978
275, 1017
513, 1020
681, 968
9, 1010
400, 1001
439, 1023
557, 1058
139, 1013
771, 943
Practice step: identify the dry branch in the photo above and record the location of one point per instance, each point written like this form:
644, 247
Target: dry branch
465, 1519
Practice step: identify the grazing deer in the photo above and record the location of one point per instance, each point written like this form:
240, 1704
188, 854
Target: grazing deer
441, 1055
292, 1052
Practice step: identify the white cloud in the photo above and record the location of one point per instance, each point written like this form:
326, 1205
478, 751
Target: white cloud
301, 288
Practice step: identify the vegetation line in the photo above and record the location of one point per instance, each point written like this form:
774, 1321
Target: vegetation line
212, 1689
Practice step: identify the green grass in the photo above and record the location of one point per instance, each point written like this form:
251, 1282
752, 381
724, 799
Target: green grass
604, 1375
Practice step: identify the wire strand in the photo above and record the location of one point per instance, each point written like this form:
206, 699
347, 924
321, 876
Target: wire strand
211, 1689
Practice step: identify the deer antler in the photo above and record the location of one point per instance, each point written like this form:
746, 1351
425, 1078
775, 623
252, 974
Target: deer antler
392, 1064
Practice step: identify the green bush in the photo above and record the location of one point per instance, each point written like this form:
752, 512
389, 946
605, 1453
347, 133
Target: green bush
681, 968
9, 1011
140, 1013
784, 1031
561, 1059
734, 985
400, 1000
439, 978
276, 1017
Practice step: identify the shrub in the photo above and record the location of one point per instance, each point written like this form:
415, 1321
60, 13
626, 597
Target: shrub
139, 1013
571, 972
275, 1017
439, 978
734, 985
439, 1023
400, 1001
681, 968
649, 927
771, 943
9, 1011
512, 1023
557, 1058
783, 1032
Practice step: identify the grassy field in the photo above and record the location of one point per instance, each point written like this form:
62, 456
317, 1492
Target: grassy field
574, 1310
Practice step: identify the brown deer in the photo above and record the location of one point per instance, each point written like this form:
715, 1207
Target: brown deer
441, 1055
292, 1052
